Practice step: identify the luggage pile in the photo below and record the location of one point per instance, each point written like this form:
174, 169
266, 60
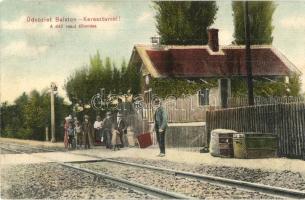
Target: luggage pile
229, 143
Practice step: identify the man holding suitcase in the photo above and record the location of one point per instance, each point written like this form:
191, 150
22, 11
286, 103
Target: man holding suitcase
160, 119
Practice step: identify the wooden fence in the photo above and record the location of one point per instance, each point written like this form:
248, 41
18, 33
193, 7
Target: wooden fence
186, 130
243, 101
179, 110
186, 136
285, 120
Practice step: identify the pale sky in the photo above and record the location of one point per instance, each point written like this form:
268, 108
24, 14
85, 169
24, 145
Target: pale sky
32, 55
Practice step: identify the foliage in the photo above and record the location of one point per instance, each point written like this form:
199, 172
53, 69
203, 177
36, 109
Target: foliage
295, 84
178, 87
260, 14
263, 87
124, 79
86, 82
261, 28
30, 114
184, 22
133, 78
10, 117
36, 112
20, 133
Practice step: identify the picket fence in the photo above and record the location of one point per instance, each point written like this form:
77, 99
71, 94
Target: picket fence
259, 100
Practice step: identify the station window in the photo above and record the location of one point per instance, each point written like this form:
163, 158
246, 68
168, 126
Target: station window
203, 97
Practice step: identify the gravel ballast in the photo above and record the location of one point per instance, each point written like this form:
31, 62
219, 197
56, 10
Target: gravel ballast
31, 149
286, 179
57, 182
4, 151
169, 182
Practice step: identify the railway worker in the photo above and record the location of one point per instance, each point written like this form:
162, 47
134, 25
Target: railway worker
87, 131
121, 127
98, 129
160, 120
107, 127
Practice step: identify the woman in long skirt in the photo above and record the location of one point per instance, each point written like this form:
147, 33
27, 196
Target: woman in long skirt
66, 126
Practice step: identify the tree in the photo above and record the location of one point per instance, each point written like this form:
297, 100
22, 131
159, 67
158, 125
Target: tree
20, 103
265, 88
124, 78
30, 114
37, 114
87, 81
77, 84
134, 80
95, 73
261, 28
260, 14
9, 117
294, 85
184, 22
116, 80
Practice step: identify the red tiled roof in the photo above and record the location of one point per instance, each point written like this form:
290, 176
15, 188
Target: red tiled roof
200, 62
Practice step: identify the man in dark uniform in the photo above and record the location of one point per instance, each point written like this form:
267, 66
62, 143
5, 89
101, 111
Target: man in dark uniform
87, 131
107, 127
160, 119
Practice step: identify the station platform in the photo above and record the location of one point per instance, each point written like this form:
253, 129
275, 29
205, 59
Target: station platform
150, 153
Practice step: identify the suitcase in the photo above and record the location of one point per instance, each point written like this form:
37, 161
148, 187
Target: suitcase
144, 140
130, 140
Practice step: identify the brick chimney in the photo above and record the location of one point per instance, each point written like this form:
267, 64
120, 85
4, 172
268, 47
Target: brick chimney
213, 39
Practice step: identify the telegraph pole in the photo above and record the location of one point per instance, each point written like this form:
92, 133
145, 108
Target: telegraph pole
248, 55
53, 90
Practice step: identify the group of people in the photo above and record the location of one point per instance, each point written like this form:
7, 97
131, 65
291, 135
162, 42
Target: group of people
109, 131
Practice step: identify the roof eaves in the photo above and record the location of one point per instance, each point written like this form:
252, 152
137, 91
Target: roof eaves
243, 47
285, 60
141, 49
206, 47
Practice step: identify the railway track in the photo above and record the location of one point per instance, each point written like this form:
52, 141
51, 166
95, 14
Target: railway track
248, 186
156, 192
33, 149
266, 189
10, 150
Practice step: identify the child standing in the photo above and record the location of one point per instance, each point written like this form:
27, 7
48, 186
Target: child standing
79, 134
115, 140
70, 133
